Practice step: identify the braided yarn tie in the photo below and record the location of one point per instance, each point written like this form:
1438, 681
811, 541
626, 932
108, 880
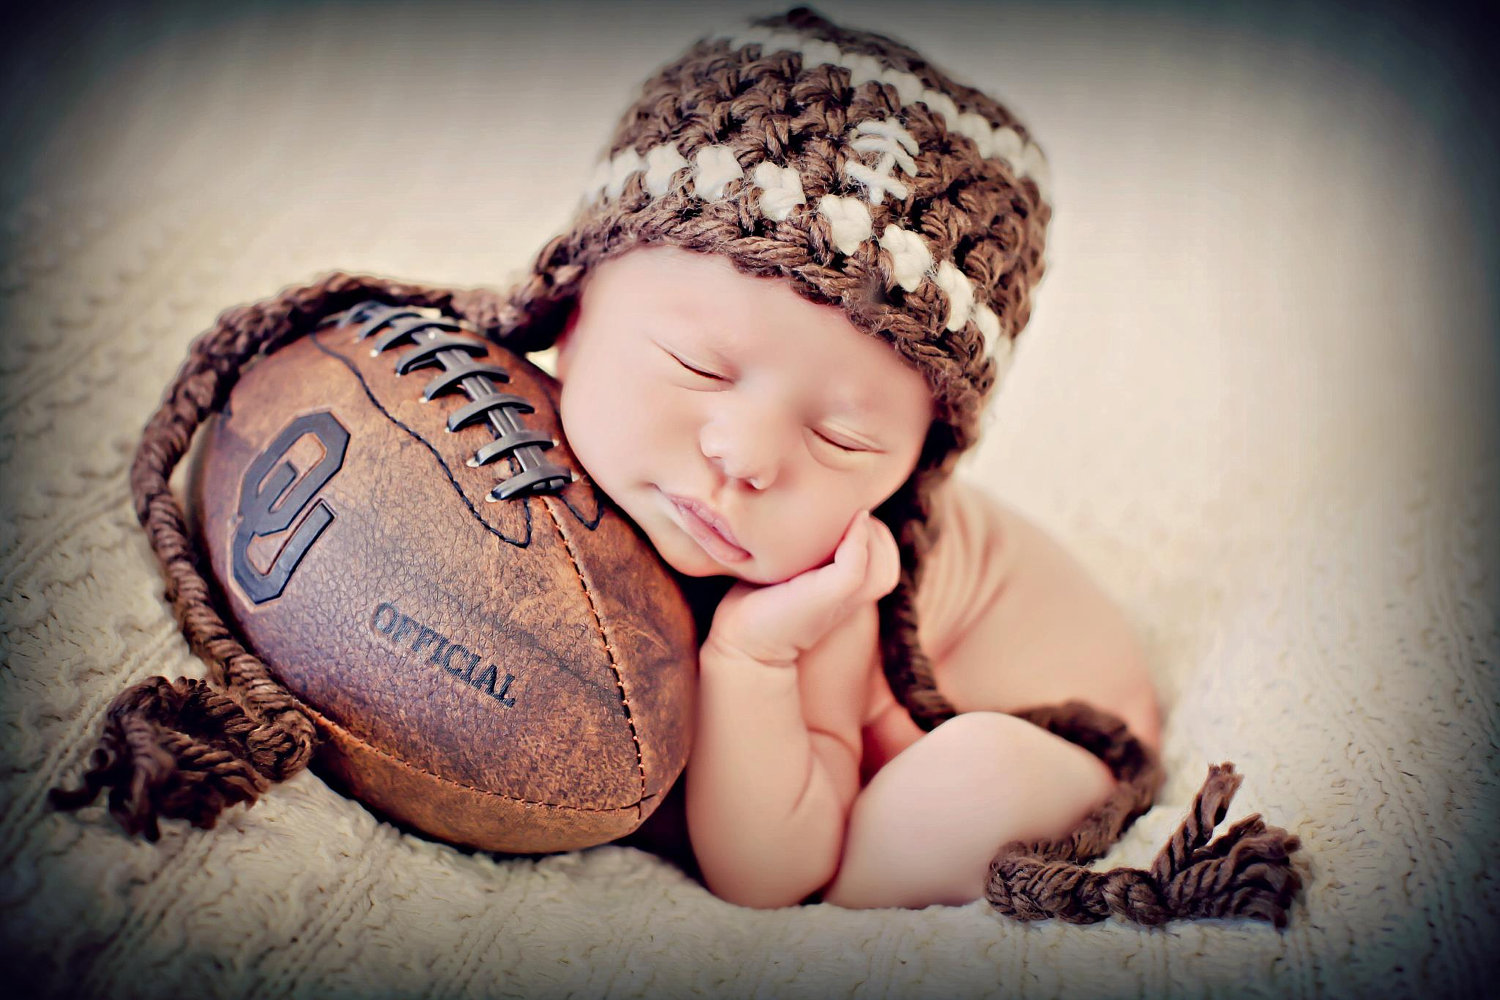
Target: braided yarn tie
1245, 872
176, 749
188, 749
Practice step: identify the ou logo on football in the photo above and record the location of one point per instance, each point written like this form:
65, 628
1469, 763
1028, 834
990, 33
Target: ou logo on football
272, 498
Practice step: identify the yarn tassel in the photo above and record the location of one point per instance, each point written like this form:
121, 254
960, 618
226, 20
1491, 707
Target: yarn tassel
189, 749
180, 750
1245, 872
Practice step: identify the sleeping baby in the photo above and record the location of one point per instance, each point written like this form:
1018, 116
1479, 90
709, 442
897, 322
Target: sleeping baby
779, 316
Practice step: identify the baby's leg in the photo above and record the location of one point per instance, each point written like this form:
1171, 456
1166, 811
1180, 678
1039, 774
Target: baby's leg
925, 828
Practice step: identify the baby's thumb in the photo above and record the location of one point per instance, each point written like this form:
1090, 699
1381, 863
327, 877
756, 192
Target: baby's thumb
883, 562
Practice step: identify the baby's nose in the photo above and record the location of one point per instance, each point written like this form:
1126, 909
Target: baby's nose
743, 451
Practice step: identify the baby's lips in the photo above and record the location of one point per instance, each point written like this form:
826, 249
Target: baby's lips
708, 528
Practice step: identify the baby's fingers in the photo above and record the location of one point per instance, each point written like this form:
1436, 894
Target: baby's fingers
828, 589
776, 623
851, 560
883, 562
795, 614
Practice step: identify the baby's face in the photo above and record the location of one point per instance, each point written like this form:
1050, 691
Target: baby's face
739, 425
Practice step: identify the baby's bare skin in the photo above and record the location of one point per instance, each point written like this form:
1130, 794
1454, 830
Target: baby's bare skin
749, 432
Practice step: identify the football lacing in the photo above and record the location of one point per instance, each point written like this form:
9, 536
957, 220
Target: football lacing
441, 340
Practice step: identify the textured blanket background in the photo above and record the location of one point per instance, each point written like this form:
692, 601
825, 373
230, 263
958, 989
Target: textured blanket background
1257, 399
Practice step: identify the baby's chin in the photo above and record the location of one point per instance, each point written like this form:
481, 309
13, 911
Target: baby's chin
687, 558
693, 561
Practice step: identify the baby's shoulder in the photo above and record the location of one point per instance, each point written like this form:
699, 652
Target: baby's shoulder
974, 531
963, 509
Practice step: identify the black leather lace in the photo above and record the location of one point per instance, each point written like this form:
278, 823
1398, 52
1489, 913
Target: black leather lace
436, 340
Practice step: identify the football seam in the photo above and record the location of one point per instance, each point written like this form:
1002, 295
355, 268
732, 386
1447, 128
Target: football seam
589, 523
640, 759
437, 455
329, 724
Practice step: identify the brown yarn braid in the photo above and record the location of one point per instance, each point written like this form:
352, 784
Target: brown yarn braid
908, 670
187, 749
1246, 872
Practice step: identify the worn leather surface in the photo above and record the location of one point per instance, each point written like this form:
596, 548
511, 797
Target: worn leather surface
514, 675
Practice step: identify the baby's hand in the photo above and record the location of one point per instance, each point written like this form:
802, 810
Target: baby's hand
776, 624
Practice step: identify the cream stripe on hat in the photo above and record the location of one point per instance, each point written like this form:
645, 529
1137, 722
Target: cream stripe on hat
993, 141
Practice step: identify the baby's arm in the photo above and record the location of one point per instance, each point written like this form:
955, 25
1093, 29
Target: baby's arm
775, 764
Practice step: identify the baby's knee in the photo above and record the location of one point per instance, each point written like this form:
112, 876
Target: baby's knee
1005, 755
979, 726
978, 738
926, 827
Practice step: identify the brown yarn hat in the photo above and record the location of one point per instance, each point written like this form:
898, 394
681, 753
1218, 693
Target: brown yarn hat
844, 163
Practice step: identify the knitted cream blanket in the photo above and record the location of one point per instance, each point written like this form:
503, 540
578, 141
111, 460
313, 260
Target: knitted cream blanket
1255, 400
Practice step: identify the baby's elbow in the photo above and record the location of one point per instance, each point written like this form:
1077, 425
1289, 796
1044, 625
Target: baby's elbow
765, 863
779, 868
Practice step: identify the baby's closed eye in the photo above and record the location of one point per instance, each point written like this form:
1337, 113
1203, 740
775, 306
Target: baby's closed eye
843, 441
700, 368
715, 373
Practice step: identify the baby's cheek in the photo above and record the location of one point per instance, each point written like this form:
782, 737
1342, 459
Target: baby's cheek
592, 439
813, 532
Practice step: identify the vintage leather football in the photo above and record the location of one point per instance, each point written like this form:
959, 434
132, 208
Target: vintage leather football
493, 653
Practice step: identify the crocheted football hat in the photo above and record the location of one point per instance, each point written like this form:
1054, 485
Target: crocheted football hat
844, 163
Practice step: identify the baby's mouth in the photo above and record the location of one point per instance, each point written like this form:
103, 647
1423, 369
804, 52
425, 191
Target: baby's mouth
708, 528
